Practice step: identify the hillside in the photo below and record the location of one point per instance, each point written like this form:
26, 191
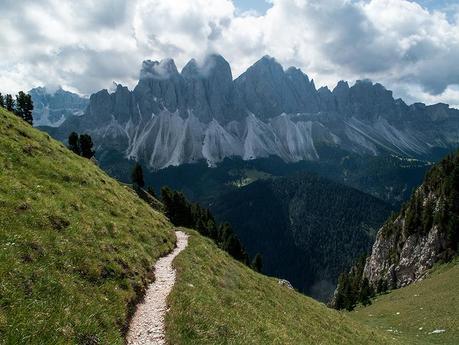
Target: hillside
424, 232
217, 300
413, 313
76, 247
308, 229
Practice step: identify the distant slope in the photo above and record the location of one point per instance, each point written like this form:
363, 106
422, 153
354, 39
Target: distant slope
412, 313
76, 247
308, 229
217, 300
389, 178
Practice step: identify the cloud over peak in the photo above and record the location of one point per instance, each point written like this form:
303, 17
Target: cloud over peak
85, 45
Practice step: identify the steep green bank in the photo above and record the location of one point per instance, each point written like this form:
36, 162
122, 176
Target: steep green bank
217, 300
76, 247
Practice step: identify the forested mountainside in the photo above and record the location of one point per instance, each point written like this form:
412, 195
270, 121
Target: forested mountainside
424, 232
390, 178
307, 229
172, 118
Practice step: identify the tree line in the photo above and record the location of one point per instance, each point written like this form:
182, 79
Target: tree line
182, 212
21, 107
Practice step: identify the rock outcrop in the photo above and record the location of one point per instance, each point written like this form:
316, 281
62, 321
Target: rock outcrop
425, 231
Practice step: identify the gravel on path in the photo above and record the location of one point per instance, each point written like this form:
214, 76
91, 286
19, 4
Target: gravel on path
147, 325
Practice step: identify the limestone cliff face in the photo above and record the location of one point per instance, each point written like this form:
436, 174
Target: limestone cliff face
425, 231
401, 260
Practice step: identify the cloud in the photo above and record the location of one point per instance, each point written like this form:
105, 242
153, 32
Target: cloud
86, 45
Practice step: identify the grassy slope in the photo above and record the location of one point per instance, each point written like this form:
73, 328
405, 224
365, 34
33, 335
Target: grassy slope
217, 300
75, 245
431, 304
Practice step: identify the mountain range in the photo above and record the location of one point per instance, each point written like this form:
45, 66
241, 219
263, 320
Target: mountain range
202, 113
52, 108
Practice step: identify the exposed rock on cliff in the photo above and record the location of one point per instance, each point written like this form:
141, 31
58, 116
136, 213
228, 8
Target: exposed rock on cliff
425, 231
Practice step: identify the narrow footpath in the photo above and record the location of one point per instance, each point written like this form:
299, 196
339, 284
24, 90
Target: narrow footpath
147, 325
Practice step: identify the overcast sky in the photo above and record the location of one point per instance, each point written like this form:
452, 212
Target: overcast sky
410, 47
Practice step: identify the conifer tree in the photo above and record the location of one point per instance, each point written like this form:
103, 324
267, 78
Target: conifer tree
151, 191
24, 107
74, 143
9, 103
86, 146
137, 176
28, 109
2, 101
366, 292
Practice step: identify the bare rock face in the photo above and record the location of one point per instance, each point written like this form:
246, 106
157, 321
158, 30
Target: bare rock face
52, 108
423, 233
417, 255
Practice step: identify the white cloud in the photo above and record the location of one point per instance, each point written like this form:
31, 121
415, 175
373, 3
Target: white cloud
85, 45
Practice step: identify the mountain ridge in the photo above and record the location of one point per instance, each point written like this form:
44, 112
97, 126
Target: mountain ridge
53, 107
201, 113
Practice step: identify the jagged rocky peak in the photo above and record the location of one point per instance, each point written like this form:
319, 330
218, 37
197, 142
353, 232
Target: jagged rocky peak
366, 100
269, 91
366, 90
327, 99
210, 91
265, 111
53, 105
163, 69
211, 65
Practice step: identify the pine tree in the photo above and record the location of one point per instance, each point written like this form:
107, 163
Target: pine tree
9, 103
366, 292
257, 263
24, 107
2, 101
28, 109
86, 146
74, 143
137, 176
20, 104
